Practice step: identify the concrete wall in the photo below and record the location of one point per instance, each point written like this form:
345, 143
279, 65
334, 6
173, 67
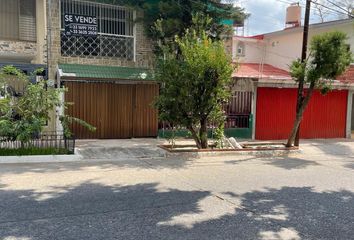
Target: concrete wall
283, 49
352, 106
254, 51
41, 22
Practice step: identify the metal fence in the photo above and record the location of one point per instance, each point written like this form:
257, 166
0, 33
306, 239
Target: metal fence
238, 121
237, 111
43, 140
232, 121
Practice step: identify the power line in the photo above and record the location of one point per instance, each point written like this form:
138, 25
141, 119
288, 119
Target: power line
334, 4
331, 9
319, 4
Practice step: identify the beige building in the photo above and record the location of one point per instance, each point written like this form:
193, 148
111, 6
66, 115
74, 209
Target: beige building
23, 33
101, 55
95, 50
118, 42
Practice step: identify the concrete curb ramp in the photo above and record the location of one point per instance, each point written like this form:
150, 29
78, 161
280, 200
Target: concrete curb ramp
121, 153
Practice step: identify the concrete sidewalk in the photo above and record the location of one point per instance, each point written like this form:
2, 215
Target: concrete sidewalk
120, 149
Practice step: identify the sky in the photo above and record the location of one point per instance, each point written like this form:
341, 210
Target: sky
269, 15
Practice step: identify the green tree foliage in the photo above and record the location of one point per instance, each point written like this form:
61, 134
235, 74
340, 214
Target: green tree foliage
25, 108
195, 84
329, 57
165, 19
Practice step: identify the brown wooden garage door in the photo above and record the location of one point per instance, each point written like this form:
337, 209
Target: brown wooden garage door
116, 110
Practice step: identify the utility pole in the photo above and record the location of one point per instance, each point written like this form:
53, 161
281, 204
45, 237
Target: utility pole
300, 92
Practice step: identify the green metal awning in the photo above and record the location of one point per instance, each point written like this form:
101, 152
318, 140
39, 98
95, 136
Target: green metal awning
105, 72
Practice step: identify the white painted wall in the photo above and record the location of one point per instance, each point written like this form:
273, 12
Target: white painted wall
285, 46
283, 49
254, 51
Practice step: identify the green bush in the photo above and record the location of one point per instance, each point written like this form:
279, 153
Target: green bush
33, 151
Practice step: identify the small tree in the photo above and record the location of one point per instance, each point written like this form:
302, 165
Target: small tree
25, 107
195, 83
328, 58
164, 19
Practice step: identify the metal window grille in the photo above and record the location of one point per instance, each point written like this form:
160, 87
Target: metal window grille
115, 31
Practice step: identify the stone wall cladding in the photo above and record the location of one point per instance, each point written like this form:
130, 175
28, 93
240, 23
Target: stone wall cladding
18, 47
144, 53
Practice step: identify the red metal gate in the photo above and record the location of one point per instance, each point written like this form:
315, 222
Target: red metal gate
325, 116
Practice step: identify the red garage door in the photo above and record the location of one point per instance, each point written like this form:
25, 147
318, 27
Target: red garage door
325, 116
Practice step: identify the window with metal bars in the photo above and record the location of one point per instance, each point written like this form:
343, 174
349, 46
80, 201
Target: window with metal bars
115, 36
18, 20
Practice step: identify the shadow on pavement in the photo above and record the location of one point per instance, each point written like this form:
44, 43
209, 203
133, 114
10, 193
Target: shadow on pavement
94, 211
335, 147
287, 163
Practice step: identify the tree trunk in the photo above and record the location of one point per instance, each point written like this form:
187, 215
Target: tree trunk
195, 137
302, 107
203, 134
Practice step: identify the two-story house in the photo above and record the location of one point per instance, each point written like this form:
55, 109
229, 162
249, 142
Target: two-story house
23, 34
96, 50
102, 56
264, 64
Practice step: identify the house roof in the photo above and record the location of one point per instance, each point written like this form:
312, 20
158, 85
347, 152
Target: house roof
256, 70
255, 37
269, 72
299, 29
105, 72
348, 76
312, 26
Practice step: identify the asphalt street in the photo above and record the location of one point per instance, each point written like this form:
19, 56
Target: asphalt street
308, 195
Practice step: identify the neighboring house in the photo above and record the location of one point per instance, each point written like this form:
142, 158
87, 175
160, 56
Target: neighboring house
96, 50
264, 65
101, 55
23, 34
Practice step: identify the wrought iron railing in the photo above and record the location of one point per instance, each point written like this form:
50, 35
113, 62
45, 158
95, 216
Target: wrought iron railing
44, 140
232, 121
238, 121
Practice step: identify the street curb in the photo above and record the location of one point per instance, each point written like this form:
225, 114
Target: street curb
41, 159
259, 153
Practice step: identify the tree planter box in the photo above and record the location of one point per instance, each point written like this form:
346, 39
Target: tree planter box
266, 149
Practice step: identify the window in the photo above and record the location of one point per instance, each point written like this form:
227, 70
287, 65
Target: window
240, 49
18, 20
115, 31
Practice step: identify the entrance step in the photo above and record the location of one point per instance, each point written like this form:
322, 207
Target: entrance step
120, 149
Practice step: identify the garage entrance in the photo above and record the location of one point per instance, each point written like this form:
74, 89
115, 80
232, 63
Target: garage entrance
325, 116
116, 110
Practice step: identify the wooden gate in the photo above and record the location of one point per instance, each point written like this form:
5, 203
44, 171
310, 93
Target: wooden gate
116, 110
